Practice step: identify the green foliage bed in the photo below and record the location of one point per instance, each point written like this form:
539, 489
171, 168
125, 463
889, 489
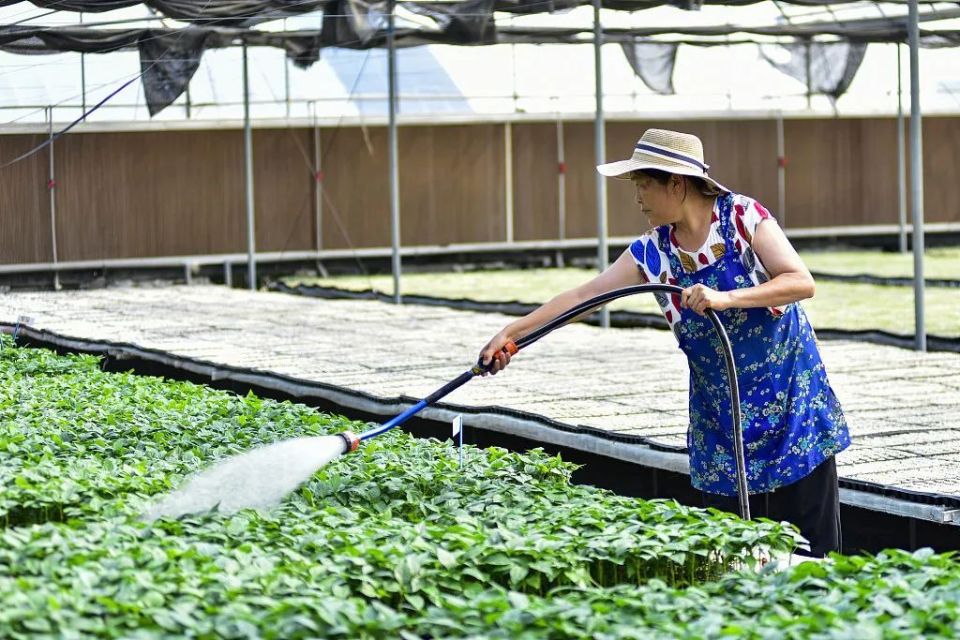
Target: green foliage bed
393, 541
940, 262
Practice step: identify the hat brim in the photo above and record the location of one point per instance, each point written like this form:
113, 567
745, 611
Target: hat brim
622, 170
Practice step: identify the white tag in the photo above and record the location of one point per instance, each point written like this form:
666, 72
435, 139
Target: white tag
25, 320
458, 437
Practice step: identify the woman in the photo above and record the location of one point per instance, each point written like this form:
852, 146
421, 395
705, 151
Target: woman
728, 254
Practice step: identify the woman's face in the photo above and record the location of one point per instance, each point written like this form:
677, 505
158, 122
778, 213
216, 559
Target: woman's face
657, 202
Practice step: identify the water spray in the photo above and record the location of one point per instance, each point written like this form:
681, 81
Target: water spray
261, 478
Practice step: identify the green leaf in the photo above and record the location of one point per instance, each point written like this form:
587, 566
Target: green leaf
446, 558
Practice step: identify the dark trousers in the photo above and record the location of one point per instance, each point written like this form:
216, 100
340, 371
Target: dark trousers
812, 503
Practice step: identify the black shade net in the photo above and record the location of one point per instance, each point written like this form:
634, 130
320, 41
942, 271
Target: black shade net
170, 57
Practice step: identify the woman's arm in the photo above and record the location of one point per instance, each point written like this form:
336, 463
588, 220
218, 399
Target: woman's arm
622, 273
790, 280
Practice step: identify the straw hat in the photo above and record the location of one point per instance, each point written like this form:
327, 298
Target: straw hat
670, 151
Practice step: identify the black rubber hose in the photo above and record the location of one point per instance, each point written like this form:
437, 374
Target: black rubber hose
592, 303
573, 313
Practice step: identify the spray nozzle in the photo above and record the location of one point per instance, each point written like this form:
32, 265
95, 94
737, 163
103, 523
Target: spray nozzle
350, 441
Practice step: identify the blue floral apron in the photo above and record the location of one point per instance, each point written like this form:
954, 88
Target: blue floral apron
792, 420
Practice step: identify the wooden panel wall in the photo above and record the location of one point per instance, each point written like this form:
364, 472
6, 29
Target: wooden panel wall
844, 172
580, 185
141, 194
356, 204
853, 179
452, 184
122, 195
941, 166
125, 195
283, 191
24, 202
536, 199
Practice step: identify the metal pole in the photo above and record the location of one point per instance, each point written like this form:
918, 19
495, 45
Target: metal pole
508, 178
781, 172
286, 83
916, 178
83, 86
561, 189
600, 151
83, 80
513, 71
809, 78
286, 74
317, 182
248, 175
188, 101
52, 188
901, 160
394, 171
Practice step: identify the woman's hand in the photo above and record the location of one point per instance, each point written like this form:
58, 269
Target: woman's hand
700, 297
495, 354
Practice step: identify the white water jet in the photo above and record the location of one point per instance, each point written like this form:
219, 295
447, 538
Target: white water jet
258, 479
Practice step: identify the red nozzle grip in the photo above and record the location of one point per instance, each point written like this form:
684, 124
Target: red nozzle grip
510, 348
